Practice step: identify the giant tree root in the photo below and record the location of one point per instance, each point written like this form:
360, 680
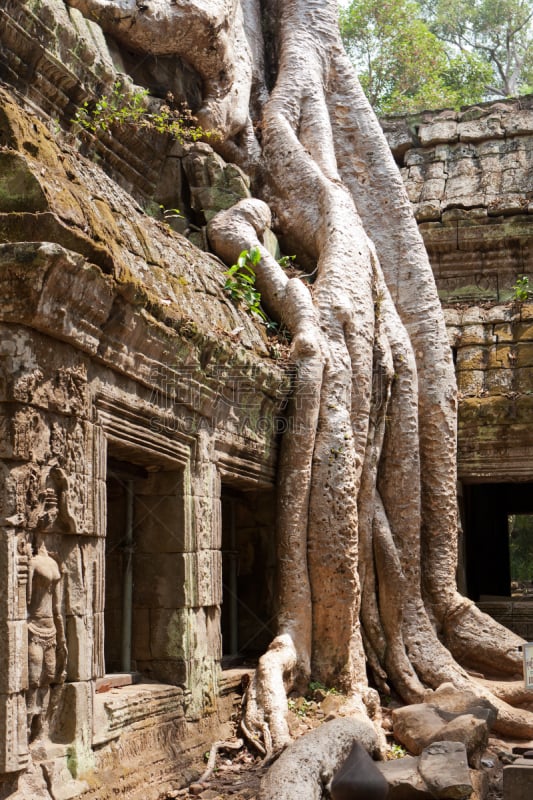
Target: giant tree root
308, 765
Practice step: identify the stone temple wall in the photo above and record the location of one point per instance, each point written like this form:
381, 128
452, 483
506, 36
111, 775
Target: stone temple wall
135, 399
469, 176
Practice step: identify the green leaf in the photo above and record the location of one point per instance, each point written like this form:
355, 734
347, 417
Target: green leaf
255, 255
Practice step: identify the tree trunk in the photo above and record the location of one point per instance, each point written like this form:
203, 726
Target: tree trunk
366, 481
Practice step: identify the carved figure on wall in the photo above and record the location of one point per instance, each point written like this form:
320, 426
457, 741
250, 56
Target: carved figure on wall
55, 513
47, 647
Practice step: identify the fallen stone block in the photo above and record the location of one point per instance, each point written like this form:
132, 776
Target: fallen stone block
518, 780
444, 769
447, 715
441, 771
404, 779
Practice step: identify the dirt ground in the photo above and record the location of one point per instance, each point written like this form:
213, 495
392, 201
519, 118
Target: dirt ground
238, 777
238, 774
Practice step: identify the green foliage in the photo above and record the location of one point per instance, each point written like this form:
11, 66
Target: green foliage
285, 261
395, 751
301, 706
122, 107
318, 686
521, 547
521, 289
414, 55
500, 32
240, 282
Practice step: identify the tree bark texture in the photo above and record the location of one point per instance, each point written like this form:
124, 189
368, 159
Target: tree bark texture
366, 480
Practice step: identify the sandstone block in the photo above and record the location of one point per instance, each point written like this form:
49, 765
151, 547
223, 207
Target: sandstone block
31, 784
427, 210
524, 331
415, 725
471, 382
73, 721
520, 122
470, 358
13, 740
172, 633
476, 130
19, 188
13, 657
433, 189
209, 575
448, 698
503, 332
60, 782
398, 136
524, 355
475, 334
438, 132
80, 642
404, 779
162, 524
444, 768
164, 580
481, 783
524, 380
418, 725
498, 381
207, 525
518, 780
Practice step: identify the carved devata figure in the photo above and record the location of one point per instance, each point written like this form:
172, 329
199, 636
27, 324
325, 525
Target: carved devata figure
47, 648
47, 651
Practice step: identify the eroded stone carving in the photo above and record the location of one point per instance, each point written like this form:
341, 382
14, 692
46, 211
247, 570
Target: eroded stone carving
55, 505
47, 647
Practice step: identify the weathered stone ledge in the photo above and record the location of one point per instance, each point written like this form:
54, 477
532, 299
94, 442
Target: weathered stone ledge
491, 120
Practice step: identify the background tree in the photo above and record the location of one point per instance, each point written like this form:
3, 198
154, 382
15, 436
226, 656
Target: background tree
499, 31
521, 547
367, 516
439, 53
401, 63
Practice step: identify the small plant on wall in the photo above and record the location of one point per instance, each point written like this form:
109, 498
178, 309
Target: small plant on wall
124, 107
521, 289
240, 283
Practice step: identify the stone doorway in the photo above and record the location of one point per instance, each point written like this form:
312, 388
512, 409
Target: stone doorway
121, 482
248, 573
147, 570
494, 513
487, 509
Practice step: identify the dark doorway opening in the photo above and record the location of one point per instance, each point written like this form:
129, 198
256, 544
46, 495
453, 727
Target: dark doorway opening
489, 509
122, 479
521, 553
248, 573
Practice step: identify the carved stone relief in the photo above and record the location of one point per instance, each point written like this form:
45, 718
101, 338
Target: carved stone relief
47, 648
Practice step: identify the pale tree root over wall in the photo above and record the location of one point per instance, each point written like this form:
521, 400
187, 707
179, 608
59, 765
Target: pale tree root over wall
366, 480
